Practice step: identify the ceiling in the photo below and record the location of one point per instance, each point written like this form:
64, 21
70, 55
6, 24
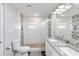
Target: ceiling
42, 9
71, 11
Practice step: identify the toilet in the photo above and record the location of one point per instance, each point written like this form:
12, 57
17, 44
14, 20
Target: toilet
20, 50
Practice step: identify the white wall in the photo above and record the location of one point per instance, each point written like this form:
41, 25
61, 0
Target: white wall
10, 28
34, 35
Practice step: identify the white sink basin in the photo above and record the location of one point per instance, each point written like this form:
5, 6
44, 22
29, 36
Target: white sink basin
69, 51
53, 40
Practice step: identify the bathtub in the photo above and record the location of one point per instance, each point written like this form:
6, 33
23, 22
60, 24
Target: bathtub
36, 49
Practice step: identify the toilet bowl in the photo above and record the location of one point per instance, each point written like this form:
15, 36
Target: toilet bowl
18, 49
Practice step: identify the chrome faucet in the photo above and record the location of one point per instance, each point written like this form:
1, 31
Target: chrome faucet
59, 37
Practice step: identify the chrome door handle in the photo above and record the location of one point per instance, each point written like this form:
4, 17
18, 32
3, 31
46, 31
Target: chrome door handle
0, 42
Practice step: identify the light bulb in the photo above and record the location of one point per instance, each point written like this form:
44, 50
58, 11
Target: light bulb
59, 12
63, 10
54, 12
57, 9
67, 6
61, 6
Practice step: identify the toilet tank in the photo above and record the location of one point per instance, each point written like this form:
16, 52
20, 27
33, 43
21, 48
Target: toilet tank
16, 44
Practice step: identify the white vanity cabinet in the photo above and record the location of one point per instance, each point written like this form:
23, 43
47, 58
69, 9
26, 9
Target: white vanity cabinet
50, 51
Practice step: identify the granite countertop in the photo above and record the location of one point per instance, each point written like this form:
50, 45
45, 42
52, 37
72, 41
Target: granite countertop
55, 45
60, 43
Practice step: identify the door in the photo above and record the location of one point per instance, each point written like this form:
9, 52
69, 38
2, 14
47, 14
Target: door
1, 29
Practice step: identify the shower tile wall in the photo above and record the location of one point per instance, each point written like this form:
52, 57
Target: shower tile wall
75, 30
75, 27
34, 35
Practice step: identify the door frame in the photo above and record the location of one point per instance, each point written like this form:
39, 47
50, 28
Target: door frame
2, 18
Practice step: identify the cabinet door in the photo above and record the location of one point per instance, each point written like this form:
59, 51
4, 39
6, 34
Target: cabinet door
50, 50
47, 49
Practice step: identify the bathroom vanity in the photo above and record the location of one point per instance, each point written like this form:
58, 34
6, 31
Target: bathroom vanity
50, 51
59, 48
